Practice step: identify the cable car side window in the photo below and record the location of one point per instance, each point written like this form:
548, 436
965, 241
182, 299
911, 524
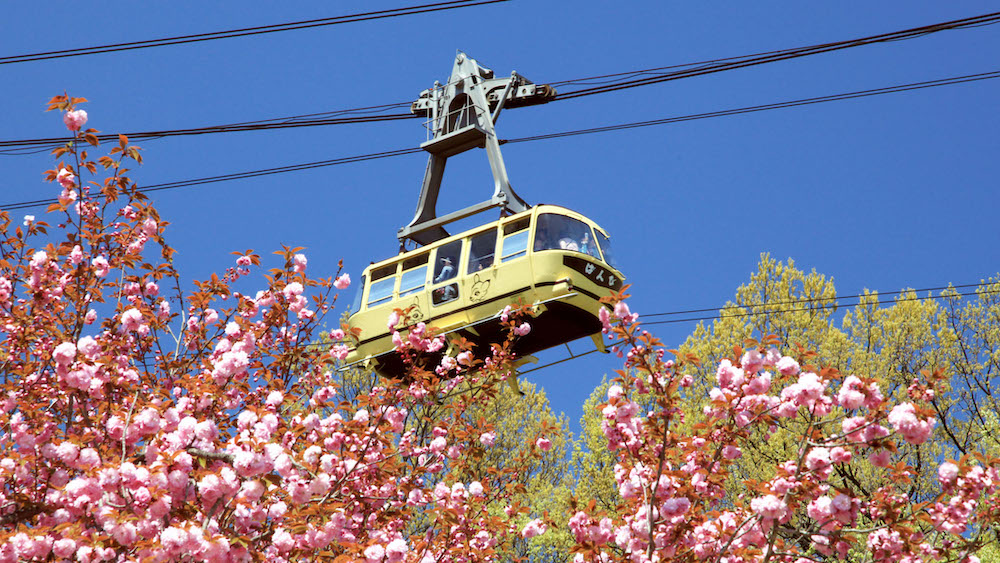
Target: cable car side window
412, 281
558, 232
481, 250
515, 240
358, 295
605, 243
383, 282
414, 275
446, 266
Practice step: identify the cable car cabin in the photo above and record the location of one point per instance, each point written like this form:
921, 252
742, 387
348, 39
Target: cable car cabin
548, 256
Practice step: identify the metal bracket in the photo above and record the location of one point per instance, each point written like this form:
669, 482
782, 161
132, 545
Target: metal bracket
460, 116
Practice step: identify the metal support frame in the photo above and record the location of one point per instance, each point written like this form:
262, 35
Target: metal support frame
461, 115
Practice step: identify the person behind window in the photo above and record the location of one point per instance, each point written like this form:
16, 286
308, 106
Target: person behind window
586, 245
567, 242
542, 237
447, 270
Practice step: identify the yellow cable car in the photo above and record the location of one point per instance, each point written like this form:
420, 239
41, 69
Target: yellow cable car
547, 256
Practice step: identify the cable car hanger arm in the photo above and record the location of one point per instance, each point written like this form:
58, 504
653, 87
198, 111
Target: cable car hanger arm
461, 116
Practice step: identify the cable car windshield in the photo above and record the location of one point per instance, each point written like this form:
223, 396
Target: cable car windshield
558, 232
605, 243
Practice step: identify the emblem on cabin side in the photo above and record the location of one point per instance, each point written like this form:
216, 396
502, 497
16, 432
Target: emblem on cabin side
479, 289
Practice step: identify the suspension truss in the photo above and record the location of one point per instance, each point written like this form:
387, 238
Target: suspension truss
462, 115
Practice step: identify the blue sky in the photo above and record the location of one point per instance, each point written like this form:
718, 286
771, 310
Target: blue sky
882, 192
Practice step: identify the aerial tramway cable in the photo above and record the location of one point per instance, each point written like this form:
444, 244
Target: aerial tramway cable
247, 31
613, 82
603, 129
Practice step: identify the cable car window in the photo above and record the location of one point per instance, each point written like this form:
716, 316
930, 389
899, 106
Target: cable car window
416, 261
515, 246
382, 272
413, 280
447, 261
515, 226
605, 243
481, 250
445, 294
558, 232
356, 303
381, 291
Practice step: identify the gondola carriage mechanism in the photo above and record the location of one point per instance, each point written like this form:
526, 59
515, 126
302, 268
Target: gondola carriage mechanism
550, 257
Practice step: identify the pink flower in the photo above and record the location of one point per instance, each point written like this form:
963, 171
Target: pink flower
881, 458
731, 452
850, 397
543, 444
39, 259
374, 553
64, 354
752, 361
605, 318
66, 178
522, 330
395, 550
787, 366
393, 320
131, 319
438, 444
534, 528
292, 290
340, 351
343, 281
101, 266
282, 540
769, 507
74, 120
476, 489
243, 261
299, 262
947, 473
903, 419
487, 438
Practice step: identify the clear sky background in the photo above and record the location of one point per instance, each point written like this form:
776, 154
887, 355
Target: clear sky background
884, 192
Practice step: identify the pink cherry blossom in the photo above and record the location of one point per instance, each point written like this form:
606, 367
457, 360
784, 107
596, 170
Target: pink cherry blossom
533, 528
66, 178
75, 119
343, 281
904, 420
131, 319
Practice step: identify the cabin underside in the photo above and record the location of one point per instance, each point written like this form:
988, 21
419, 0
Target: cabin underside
558, 324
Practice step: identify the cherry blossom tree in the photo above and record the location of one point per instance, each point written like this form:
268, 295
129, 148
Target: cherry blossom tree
143, 421
672, 464
139, 421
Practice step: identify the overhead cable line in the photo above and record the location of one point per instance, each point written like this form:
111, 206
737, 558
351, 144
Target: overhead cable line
25, 146
755, 314
604, 129
247, 31
726, 313
765, 107
811, 300
250, 126
720, 65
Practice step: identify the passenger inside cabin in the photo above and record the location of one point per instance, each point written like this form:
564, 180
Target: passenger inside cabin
542, 241
447, 270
